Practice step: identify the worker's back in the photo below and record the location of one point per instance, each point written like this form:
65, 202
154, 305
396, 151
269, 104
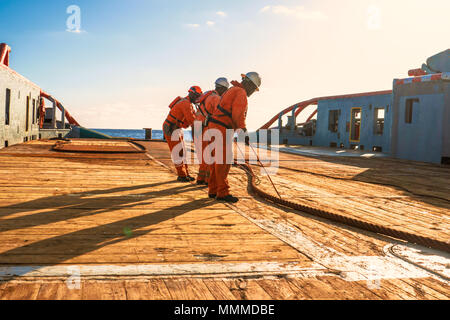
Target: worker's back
181, 113
232, 108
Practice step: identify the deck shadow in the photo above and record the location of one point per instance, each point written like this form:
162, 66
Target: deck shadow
81, 203
61, 248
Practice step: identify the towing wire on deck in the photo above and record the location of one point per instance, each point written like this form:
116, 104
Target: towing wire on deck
410, 237
371, 227
262, 166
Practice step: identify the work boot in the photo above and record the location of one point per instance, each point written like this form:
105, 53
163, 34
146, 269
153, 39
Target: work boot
185, 179
212, 196
229, 198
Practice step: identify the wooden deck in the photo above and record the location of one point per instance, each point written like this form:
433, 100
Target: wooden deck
133, 232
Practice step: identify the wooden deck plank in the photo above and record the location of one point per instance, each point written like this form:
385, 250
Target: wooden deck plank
20, 291
192, 289
436, 286
48, 217
147, 290
417, 294
329, 234
358, 290
279, 289
387, 286
299, 292
402, 219
58, 291
187, 226
372, 213
323, 288
244, 289
371, 168
219, 289
138, 291
159, 288
112, 290
423, 289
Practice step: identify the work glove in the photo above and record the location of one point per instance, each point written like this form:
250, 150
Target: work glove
239, 135
247, 140
247, 137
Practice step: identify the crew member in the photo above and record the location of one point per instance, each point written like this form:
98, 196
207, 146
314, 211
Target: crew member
207, 103
181, 116
41, 112
231, 113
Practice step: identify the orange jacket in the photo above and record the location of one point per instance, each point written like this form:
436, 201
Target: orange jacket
182, 114
207, 105
41, 113
235, 103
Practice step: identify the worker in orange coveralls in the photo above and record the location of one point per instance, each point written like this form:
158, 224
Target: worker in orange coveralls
230, 114
181, 116
41, 113
207, 103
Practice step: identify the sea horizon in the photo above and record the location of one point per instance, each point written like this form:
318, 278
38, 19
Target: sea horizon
137, 133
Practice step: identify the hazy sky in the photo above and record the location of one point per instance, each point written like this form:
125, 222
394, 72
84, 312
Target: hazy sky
133, 57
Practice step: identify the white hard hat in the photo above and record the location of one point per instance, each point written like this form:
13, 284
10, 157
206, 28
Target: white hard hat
222, 82
253, 77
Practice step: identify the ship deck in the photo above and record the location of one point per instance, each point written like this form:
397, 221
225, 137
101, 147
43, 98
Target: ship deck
122, 222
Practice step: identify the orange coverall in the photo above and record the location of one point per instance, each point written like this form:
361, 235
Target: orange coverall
181, 116
234, 101
207, 106
41, 113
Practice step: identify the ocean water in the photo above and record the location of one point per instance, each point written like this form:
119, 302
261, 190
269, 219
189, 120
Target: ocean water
138, 133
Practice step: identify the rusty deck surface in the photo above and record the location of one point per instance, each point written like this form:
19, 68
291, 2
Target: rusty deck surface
131, 231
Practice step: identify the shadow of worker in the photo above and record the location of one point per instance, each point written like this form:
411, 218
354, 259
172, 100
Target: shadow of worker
63, 248
79, 205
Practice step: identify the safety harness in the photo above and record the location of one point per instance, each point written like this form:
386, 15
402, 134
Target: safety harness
225, 112
202, 107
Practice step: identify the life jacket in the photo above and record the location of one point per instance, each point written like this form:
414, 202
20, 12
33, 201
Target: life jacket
177, 121
221, 109
203, 98
202, 101
225, 113
174, 102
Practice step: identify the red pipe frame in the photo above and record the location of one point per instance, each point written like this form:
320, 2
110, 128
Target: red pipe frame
4, 54
4, 61
303, 105
69, 118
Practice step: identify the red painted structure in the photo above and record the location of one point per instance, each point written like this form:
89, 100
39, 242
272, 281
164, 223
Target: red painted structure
41, 113
424, 78
69, 118
303, 105
416, 72
4, 62
4, 54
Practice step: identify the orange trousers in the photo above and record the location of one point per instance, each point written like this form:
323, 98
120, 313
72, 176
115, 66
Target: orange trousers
182, 168
204, 169
218, 180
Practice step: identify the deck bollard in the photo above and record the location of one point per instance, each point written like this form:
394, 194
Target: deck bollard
148, 133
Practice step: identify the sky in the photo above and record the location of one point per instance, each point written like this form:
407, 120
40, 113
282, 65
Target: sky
126, 60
